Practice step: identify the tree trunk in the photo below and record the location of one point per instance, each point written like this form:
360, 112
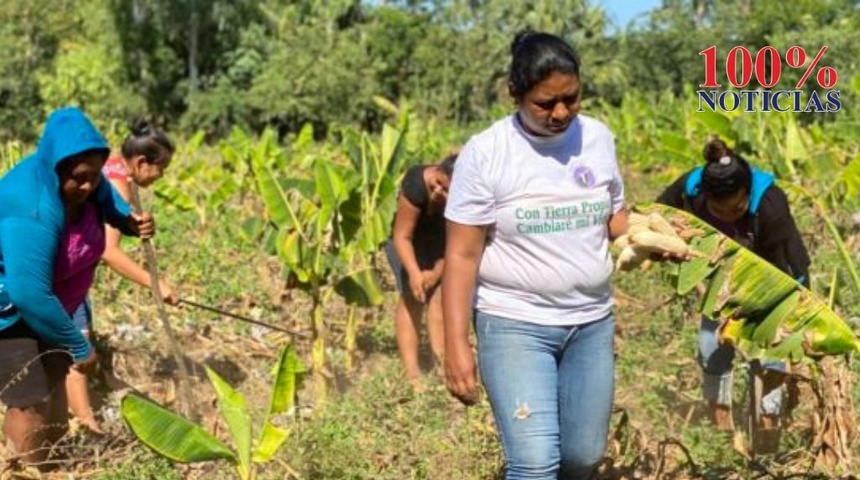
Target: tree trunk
193, 46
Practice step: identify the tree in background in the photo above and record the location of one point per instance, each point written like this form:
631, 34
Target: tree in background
215, 64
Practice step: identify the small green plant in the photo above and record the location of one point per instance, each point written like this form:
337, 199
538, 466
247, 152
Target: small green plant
142, 465
180, 440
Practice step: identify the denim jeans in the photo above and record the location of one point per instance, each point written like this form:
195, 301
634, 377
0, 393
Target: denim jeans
551, 392
716, 362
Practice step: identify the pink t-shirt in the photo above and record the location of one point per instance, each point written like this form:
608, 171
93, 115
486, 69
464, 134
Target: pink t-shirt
80, 250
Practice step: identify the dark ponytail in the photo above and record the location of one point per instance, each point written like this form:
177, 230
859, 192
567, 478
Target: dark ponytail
447, 165
535, 56
144, 139
726, 173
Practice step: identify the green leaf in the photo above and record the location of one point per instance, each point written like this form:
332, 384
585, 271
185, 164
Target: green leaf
169, 434
795, 148
693, 272
849, 179
293, 252
717, 123
175, 196
360, 288
392, 143
235, 413
274, 198
757, 286
677, 145
374, 232
221, 194
385, 104
270, 442
330, 185
766, 313
305, 138
766, 332
717, 288
289, 372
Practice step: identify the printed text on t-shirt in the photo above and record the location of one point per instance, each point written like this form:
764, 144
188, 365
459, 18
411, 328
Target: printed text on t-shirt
553, 219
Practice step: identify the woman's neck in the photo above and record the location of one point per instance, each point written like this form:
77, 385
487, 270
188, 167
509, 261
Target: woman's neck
74, 212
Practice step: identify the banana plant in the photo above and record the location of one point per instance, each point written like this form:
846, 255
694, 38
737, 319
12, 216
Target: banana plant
181, 440
323, 219
762, 311
370, 207
198, 184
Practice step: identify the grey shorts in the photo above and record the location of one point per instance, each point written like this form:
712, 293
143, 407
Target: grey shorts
30, 370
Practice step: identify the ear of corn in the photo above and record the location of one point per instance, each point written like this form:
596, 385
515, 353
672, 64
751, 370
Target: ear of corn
629, 258
655, 242
659, 224
762, 311
638, 220
621, 242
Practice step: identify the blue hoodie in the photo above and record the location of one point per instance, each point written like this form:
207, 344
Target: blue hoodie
32, 218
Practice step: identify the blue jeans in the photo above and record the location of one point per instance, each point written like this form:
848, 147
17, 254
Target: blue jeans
716, 362
83, 317
551, 392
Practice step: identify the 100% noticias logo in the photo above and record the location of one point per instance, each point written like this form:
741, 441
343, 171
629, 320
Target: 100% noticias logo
767, 69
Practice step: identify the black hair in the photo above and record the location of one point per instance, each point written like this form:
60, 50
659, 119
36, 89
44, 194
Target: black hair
72, 160
726, 173
535, 56
144, 139
447, 164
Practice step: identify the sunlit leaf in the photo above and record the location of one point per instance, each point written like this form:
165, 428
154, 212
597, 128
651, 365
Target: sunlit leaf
235, 413
169, 434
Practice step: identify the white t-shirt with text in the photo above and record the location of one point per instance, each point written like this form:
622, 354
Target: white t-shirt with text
546, 201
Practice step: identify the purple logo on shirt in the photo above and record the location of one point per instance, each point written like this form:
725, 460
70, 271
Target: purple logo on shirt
583, 176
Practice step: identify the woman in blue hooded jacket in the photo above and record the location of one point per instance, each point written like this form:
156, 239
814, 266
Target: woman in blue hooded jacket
53, 205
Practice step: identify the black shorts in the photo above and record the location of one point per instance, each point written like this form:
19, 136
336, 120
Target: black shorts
425, 262
30, 369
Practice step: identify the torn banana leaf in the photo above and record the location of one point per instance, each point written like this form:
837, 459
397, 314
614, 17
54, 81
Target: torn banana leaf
762, 311
696, 270
757, 289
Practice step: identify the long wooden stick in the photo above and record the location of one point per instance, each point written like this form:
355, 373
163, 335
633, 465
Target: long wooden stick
152, 266
243, 318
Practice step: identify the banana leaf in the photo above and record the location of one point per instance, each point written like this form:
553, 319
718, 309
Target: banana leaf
699, 268
289, 373
169, 434
762, 311
234, 411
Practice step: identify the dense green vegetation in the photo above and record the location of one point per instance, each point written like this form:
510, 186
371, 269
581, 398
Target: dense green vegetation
213, 65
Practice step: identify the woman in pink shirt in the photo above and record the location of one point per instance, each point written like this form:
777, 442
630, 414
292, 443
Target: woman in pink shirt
146, 153
52, 208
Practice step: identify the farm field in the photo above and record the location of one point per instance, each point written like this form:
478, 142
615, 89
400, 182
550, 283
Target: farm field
294, 124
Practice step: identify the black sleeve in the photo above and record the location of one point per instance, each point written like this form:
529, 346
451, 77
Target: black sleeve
413, 187
673, 196
778, 239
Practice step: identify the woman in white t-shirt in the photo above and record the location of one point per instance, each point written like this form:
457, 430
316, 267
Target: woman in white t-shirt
534, 204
